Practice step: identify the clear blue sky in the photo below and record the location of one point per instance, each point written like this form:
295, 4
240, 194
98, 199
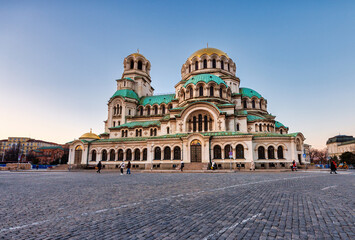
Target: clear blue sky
59, 59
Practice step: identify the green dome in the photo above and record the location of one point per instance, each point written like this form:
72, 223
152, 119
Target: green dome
248, 92
205, 78
126, 93
278, 125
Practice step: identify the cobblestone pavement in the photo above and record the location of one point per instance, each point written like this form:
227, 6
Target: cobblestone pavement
86, 205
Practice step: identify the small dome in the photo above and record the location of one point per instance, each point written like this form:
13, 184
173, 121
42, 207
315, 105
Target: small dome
247, 92
205, 78
126, 93
137, 55
208, 51
89, 135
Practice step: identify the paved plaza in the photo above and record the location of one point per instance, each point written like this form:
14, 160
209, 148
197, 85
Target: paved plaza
86, 205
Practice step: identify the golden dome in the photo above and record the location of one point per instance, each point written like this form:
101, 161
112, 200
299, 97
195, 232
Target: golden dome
89, 135
208, 51
138, 55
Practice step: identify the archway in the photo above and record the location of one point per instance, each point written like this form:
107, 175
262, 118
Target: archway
195, 151
78, 154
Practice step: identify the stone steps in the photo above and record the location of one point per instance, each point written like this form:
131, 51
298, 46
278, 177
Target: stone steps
195, 166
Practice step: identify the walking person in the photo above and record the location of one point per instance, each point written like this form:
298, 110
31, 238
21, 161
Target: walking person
181, 165
294, 166
99, 166
333, 167
129, 167
122, 167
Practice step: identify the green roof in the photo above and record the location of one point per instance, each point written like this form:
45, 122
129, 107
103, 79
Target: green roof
348, 142
278, 124
126, 93
50, 147
248, 92
242, 112
158, 99
253, 118
128, 78
205, 78
275, 135
138, 124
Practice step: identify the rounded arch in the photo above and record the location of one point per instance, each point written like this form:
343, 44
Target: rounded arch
167, 153
104, 155
280, 152
261, 152
177, 153
120, 154
217, 152
128, 154
239, 149
271, 152
112, 155
93, 155
137, 154
157, 153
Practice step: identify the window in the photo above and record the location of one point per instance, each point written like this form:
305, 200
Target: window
148, 110
214, 63
240, 151
261, 152
104, 155
131, 66
227, 149
253, 103
141, 111
260, 128
189, 68
163, 109
206, 123
114, 124
129, 112
196, 65
245, 104
167, 153
199, 122
155, 110
271, 152
238, 127
280, 152
112, 155
170, 107
137, 133
137, 154
93, 155
140, 65
145, 153
201, 91
177, 153
221, 93
129, 155
228, 68
205, 63
217, 152
211, 91
260, 104
151, 132
120, 155
191, 93
222, 64
167, 130
155, 132
280, 131
194, 124
157, 153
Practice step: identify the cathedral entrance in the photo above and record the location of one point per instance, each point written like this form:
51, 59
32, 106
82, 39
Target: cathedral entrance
195, 151
78, 154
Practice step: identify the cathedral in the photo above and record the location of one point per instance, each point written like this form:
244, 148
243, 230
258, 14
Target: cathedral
209, 118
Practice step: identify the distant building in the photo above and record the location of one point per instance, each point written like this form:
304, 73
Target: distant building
307, 149
46, 155
339, 144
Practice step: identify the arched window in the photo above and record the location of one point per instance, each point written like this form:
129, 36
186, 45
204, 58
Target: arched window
191, 92
253, 103
196, 65
163, 109
157, 153
280, 131
155, 110
132, 64
271, 152
260, 128
260, 104
201, 91
227, 149
211, 91
280, 152
137, 154
93, 155
155, 131
177, 153
151, 132
114, 124
228, 68
240, 151
120, 155
167, 153
114, 110
205, 63
167, 130
145, 153
141, 111
170, 107
140, 65
298, 145
129, 155
206, 123
238, 127
217, 152
104, 155
221, 93
112, 155
261, 152
148, 110
194, 124
245, 104
199, 122
189, 68
222, 64
120, 109
214, 63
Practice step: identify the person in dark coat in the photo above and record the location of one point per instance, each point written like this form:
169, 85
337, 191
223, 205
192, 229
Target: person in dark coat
333, 167
129, 167
99, 166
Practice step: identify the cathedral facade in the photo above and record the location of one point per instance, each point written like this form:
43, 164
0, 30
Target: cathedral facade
208, 118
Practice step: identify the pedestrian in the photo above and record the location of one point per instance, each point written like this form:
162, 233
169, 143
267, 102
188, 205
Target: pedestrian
99, 166
294, 166
214, 165
333, 167
181, 165
252, 166
122, 167
129, 167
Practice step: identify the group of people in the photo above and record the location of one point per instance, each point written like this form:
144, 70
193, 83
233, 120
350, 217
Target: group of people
122, 166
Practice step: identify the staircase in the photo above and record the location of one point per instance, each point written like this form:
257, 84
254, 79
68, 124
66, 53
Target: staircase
195, 166
60, 167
